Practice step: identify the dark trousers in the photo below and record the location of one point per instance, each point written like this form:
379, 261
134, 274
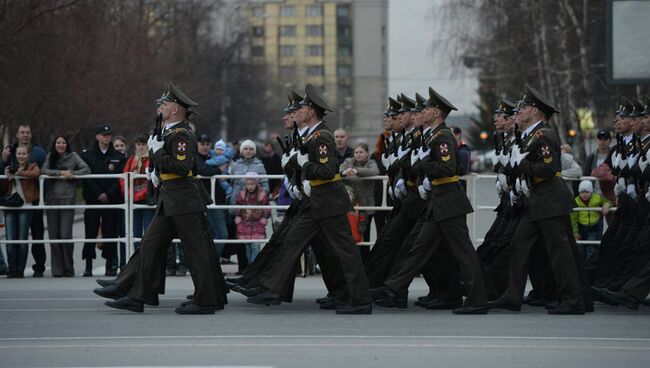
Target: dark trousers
108, 221
431, 235
553, 232
192, 229
38, 249
126, 277
336, 232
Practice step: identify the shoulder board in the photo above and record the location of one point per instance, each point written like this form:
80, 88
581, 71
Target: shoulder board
539, 134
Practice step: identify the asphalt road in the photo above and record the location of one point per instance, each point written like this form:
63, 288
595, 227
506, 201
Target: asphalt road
60, 322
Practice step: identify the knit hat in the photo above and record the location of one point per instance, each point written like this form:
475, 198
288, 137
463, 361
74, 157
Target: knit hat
220, 145
248, 143
252, 175
585, 186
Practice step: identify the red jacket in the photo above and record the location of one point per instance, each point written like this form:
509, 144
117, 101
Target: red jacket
139, 185
251, 223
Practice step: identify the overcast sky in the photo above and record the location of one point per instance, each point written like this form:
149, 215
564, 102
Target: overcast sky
411, 63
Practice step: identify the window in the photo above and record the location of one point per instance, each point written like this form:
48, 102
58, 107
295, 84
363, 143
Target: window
258, 31
343, 70
315, 70
287, 11
287, 50
287, 31
257, 51
314, 31
345, 51
344, 31
314, 50
258, 11
314, 10
342, 11
287, 71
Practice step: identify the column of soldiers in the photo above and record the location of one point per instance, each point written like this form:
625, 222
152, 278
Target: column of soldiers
426, 232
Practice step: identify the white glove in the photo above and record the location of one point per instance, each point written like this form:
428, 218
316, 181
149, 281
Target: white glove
619, 188
503, 159
631, 190
302, 159
385, 160
306, 187
622, 163
518, 185
390, 193
414, 156
401, 186
285, 158
148, 172
154, 144
502, 184
632, 160
424, 194
643, 163
402, 152
398, 193
290, 191
392, 158
516, 156
525, 189
297, 193
513, 198
155, 179
424, 152
426, 183
499, 189
616, 160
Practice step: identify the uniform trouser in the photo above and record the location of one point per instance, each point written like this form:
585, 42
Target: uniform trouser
108, 220
554, 234
38, 249
431, 236
59, 226
388, 245
336, 232
209, 285
639, 285
127, 276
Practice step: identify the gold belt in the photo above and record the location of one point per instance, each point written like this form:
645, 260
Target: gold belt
411, 184
172, 176
317, 182
445, 180
539, 179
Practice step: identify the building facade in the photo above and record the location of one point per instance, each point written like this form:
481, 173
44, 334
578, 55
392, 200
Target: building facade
338, 46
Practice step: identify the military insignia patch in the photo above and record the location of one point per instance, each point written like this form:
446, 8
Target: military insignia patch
322, 150
539, 134
444, 152
111, 167
545, 152
182, 146
317, 134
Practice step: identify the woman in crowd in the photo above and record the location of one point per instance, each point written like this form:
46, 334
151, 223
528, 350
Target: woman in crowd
64, 163
359, 166
137, 164
245, 164
22, 180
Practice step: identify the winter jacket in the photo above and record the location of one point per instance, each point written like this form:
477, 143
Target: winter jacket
244, 165
61, 189
140, 185
363, 189
251, 223
587, 218
110, 162
28, 185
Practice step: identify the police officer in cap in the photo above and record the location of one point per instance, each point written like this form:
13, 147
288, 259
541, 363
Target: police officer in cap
181, 211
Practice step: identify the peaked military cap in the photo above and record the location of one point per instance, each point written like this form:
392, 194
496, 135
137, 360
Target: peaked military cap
294, 101
637, 108
173, 93
532, 97
419, 103
313, 98
407, 104
645, 111
436, 100
393, 107
506, 107
624, 108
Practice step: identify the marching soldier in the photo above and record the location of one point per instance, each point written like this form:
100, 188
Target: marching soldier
545, 217
181, 211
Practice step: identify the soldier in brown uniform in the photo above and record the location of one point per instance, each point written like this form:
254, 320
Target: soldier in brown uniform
324, 213
444, 218
550, 203
181, 211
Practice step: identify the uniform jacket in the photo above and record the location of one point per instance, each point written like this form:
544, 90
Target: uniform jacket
29, 185
110, 162
179, 157
329, 199
139, 185
549, 195
63, 189
445, 200
253, 221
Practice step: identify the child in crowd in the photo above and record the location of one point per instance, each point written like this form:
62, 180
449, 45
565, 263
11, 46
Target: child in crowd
588, 225
221, 157
251, 223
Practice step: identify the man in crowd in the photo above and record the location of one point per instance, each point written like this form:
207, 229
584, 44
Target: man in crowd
343, 151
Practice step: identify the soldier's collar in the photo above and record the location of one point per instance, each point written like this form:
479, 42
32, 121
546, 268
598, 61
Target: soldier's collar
170, 125
628, 138
531, 128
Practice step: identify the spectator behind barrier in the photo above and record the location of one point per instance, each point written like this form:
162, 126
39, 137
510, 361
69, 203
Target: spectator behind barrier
64, 163
251, 223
